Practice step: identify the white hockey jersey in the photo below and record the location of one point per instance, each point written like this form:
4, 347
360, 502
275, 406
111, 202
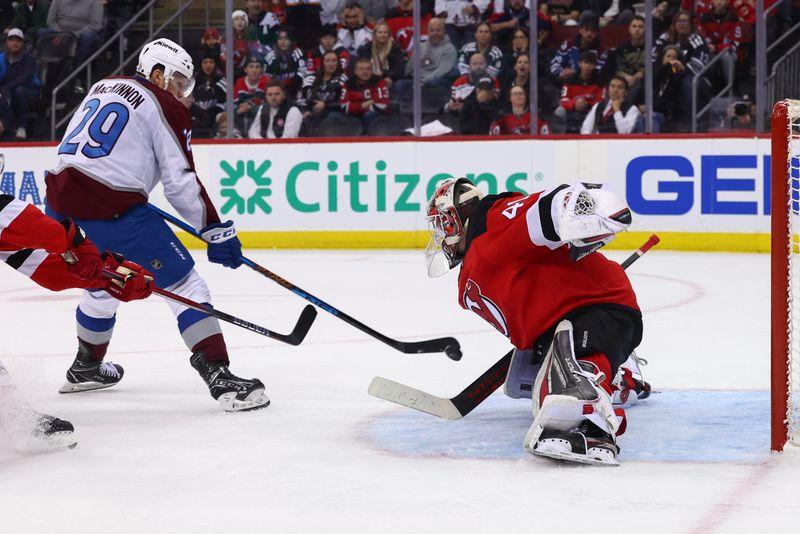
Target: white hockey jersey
126, 137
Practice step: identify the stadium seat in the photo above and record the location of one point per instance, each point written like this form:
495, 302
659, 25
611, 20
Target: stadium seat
434, 99
339, 125
389, 125
56, 47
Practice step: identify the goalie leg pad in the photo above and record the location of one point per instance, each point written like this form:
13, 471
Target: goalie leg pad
567, 393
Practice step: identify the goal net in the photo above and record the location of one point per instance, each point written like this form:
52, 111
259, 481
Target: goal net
785, 274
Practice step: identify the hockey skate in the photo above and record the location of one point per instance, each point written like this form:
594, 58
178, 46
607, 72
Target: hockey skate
574, 419
87, 374
233, 393
48, 434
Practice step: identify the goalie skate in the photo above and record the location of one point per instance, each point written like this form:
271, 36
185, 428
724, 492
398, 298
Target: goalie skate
585, 445
629, 385
570, 407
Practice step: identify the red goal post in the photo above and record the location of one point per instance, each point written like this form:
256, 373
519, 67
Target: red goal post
785, 305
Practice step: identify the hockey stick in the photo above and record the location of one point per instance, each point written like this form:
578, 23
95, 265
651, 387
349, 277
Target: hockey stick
294, 338
448, 345
475, 393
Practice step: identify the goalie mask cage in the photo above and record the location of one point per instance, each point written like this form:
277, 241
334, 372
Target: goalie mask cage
785, 335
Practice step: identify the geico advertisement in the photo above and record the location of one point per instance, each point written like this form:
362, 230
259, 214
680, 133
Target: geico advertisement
698, 184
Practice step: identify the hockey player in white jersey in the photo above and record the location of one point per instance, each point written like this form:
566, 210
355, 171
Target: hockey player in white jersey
129, 134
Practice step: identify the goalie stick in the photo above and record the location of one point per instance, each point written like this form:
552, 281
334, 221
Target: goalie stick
448, 345
294, 338
475, 393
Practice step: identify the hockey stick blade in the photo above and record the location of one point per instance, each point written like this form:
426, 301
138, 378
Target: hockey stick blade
307, 317
475, 393
454, 408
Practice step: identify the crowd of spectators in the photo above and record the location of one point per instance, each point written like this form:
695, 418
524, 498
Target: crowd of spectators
299, 64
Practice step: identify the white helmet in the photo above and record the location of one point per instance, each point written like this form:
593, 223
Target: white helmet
448, 212
174, 59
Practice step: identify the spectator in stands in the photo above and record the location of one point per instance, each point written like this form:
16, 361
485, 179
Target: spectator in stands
723, 34
628, 60
303, 18
355, 32
461, 18
742, 114
209, 96
365, 96
580, 92
438, 56
30, 16
241, 46
374, 10
517, 119
694, 53
18, 81
322, 91
222, 128
286, 63
84, 18
328, 42
464, 85
262, 25
565, 62
667, 82
277, 118
386, 57
401, 22
481, 45
613, 114
249, 92
512, 16
210, 45
480, 109
663, 13
561, 12
610, 11
521, 78
331, 12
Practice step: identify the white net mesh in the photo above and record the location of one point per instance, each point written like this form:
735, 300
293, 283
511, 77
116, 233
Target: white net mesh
793, 179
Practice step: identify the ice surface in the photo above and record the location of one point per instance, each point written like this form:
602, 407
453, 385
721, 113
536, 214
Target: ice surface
157, 455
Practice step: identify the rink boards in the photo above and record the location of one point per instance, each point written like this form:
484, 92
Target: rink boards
698, 193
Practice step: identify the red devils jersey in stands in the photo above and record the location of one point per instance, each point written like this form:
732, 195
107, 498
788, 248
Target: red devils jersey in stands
401, 24
576, 88
510, 124
723, 31
517, 273
32, 243
355, 92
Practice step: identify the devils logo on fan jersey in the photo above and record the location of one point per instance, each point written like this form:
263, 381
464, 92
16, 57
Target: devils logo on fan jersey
489, 311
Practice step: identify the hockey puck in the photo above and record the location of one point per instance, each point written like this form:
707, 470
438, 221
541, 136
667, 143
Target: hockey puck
453, 352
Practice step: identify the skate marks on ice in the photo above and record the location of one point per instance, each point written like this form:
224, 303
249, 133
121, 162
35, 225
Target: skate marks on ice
672, 426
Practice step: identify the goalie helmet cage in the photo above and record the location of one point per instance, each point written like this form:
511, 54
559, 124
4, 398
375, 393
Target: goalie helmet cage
785, 335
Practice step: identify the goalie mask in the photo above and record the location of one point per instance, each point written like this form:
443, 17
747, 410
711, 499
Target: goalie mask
176, 62
448, 215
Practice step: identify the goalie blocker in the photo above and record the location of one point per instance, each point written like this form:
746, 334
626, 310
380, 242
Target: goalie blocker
527, 263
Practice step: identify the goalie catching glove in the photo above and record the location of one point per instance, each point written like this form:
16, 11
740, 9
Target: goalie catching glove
588, 217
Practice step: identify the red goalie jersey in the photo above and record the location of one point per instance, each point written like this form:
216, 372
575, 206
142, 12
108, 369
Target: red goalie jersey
518, 275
